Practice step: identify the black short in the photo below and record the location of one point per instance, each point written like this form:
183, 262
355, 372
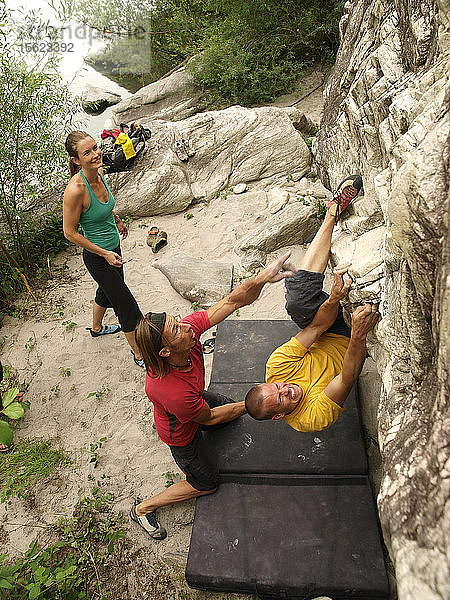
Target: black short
304, 296
112, 291
195, 458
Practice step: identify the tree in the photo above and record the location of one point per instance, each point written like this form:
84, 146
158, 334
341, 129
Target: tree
36, 111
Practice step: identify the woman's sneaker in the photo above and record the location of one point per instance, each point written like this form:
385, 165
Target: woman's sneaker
347, 191
148, 522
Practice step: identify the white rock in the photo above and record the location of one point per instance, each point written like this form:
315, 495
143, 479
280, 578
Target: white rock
240, 188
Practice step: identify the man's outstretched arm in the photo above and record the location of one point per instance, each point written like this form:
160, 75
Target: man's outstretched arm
364, 320
220, 414
248, 292
328, 311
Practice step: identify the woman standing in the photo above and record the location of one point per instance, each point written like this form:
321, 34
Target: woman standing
88, 202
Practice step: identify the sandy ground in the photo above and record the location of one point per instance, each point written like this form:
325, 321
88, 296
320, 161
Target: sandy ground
133, 459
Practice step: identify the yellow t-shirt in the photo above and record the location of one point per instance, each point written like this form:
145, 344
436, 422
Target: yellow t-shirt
312, 369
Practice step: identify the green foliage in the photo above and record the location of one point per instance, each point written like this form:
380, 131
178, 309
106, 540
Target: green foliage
247, 51
11, 408
308, 140
35, 111
188, 216
73, 567
319, 209
98, 394
69, 325
31, 461
260, 49
170, 477
93, 449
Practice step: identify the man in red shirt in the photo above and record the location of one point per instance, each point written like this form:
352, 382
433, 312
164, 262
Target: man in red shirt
175, 383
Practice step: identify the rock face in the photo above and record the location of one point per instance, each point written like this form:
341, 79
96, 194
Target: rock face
170, 99
296, 223
386, 116
202, 281
230, 147
95, 100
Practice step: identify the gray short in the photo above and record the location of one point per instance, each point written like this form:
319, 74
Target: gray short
304, 296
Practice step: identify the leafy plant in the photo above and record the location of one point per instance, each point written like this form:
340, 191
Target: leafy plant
65, 372
170, 477
127, 220
188, 216
69, 325
31, 461
195, 305
30, 343
100, 393
73, 567
93, 449
319, 209
308, 140
12, 409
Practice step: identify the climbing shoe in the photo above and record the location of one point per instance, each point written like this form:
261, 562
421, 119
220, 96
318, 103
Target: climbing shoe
148, 522
346, 192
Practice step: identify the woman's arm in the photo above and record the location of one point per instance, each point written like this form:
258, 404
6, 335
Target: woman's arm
72, 208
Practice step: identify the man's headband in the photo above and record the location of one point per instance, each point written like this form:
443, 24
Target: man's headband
158, 320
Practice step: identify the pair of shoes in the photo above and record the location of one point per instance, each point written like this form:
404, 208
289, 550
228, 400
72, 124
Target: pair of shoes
346, 191
105, 330
139, 361
148, 522
156, 239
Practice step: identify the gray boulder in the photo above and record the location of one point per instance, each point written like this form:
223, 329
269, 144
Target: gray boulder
296, 223
197, 280
232, 146
95, 100
171, 98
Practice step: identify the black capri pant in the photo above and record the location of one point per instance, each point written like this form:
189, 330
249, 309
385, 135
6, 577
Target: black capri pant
112, 291
304, 296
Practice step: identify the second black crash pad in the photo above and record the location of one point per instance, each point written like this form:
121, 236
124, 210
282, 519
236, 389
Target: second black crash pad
295, 541
266, 447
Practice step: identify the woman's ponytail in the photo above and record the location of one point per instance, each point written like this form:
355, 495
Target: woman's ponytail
71, 146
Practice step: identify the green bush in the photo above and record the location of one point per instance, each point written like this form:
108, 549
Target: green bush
247, 51
35, 110
73, 567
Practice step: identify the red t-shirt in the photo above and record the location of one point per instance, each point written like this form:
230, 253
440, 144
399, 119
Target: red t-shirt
177, 397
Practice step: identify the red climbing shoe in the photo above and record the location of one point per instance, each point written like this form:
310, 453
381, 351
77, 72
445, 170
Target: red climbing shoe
347, 191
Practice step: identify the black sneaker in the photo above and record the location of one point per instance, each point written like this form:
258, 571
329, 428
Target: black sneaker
345, 193
148, 522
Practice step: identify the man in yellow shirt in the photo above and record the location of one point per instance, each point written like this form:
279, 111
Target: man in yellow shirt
310, 376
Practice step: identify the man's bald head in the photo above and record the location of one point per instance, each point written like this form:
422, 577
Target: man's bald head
256, 405
272, 400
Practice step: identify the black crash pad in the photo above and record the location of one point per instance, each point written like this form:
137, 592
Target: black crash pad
247, 446
289, 541
243, 347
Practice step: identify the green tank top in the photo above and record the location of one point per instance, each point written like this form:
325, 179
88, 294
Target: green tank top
97, 221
